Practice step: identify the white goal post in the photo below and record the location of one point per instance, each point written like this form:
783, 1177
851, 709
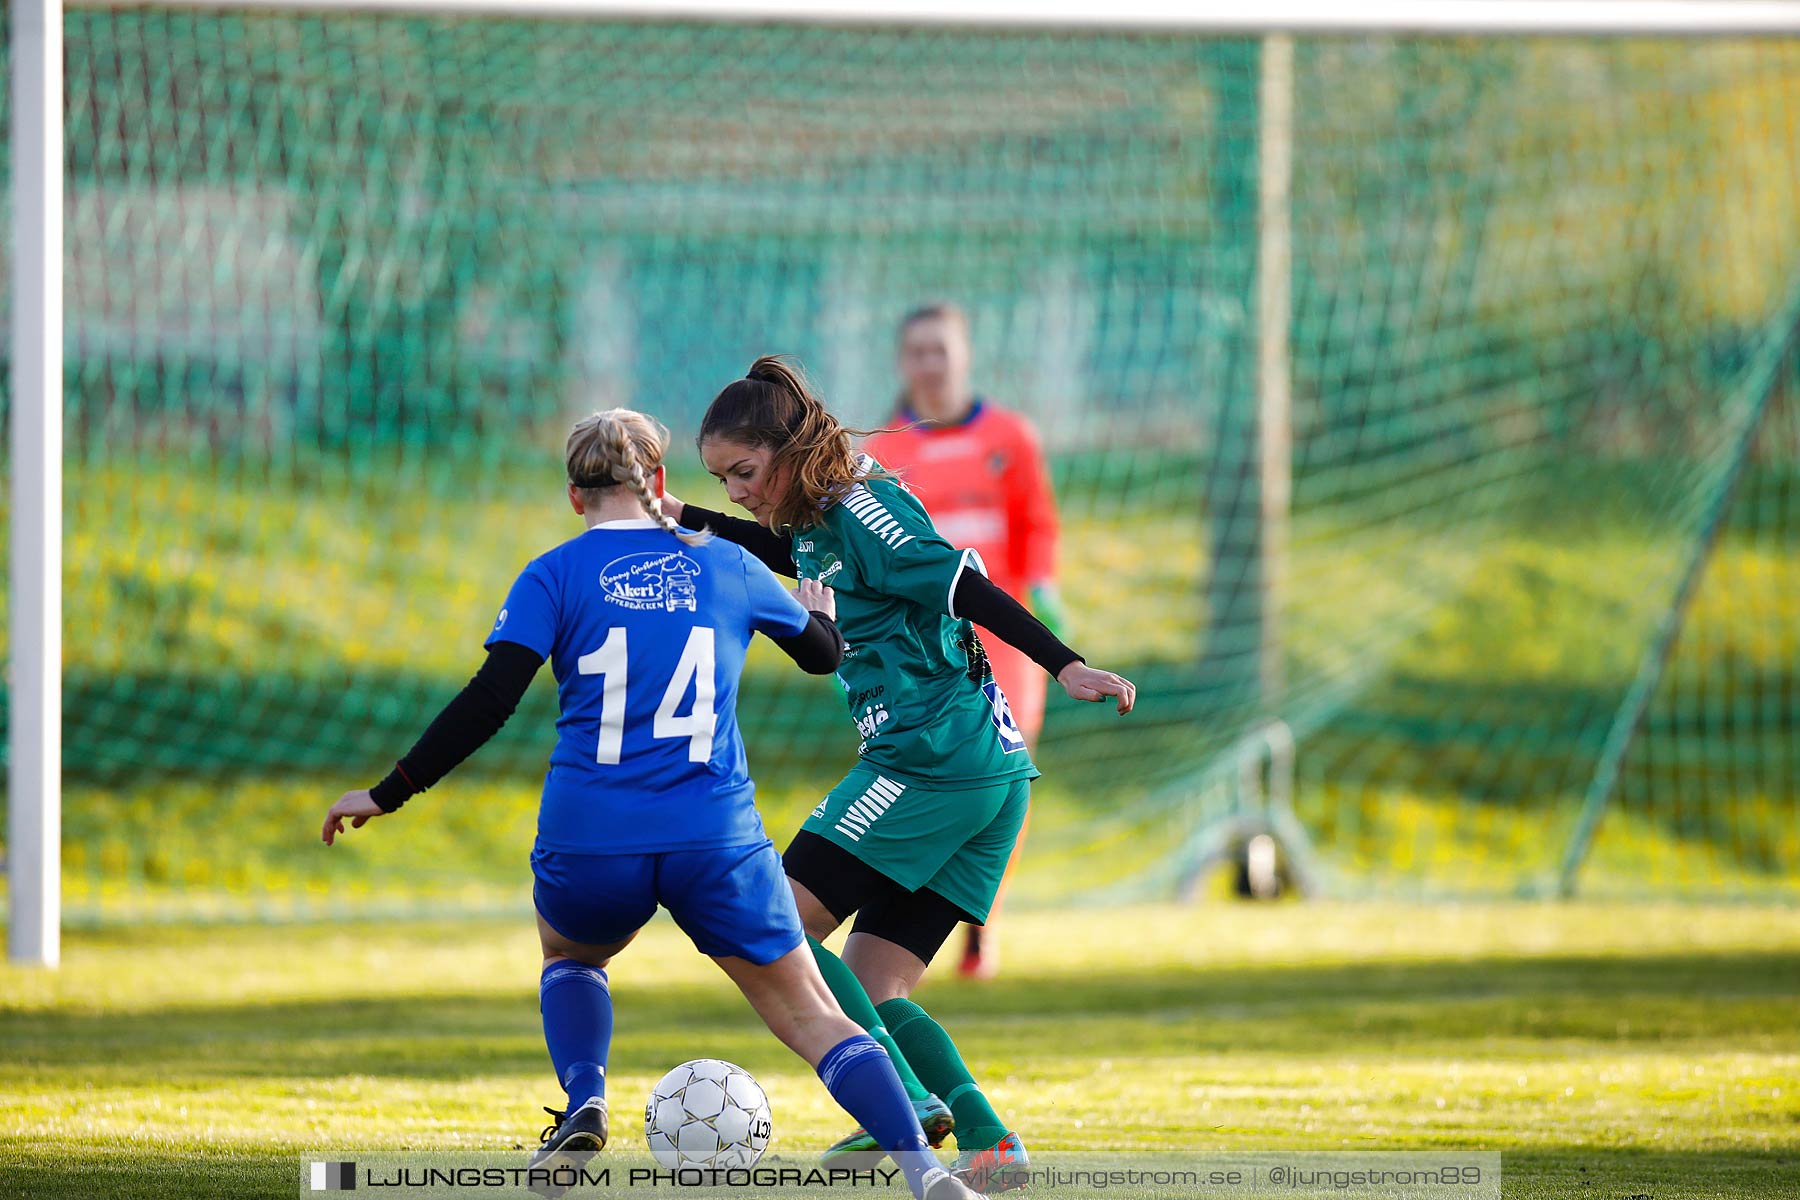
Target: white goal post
34, 684
32, 860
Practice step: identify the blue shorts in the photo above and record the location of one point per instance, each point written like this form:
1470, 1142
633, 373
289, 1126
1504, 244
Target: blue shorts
733, 901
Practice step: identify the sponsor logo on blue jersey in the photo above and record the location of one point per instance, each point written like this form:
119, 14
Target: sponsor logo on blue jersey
651, 581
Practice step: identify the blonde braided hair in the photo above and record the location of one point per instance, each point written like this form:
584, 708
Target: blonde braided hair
619, 446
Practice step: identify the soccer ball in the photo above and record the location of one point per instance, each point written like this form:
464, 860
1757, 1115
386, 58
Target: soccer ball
707, 1113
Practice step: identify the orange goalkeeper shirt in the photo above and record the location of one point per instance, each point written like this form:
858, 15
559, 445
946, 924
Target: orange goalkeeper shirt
985, 484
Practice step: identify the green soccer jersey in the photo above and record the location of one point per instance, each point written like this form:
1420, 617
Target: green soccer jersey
905, 672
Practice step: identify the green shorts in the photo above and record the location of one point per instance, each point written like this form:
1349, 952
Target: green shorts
954, 840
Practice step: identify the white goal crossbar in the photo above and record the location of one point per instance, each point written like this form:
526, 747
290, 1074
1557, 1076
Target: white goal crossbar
1568, 17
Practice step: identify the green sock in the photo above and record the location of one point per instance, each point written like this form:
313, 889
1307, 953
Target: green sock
855, 1002
934, 1055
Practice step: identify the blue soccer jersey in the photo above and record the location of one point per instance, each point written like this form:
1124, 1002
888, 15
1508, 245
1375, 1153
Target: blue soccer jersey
646, 637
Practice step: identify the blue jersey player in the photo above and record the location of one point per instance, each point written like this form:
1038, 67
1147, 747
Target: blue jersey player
647, 800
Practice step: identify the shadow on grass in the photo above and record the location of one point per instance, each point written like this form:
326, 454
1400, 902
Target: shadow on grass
1396, 1009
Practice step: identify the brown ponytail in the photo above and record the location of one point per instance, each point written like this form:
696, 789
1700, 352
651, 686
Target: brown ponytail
773, 406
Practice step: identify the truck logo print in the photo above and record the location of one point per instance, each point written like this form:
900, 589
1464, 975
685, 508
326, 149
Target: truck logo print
652, 580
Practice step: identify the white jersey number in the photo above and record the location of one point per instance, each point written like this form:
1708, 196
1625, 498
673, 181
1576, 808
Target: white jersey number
696, 667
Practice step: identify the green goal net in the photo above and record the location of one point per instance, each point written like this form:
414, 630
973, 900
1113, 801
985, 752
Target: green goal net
1503, 599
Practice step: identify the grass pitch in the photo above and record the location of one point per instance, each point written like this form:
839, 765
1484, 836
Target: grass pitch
1610, 1051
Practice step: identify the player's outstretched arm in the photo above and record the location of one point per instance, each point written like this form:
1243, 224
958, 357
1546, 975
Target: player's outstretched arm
775, 551
978, 599
467, 722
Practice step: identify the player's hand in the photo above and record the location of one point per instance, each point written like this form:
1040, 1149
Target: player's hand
816, 597
1088, 683
355, 805
672, 507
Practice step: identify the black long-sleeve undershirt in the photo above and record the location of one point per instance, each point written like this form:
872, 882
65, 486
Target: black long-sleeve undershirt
477, 712
984, 602
977, 597
473, 716
818, 649
775, 551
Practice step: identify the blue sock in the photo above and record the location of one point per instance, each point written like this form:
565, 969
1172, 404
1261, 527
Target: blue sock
578, 1021
860, 1076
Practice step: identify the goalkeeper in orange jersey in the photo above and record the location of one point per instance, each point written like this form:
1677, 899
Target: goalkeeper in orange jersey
980, 472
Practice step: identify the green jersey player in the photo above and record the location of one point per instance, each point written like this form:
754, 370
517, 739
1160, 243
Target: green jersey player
916, 838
